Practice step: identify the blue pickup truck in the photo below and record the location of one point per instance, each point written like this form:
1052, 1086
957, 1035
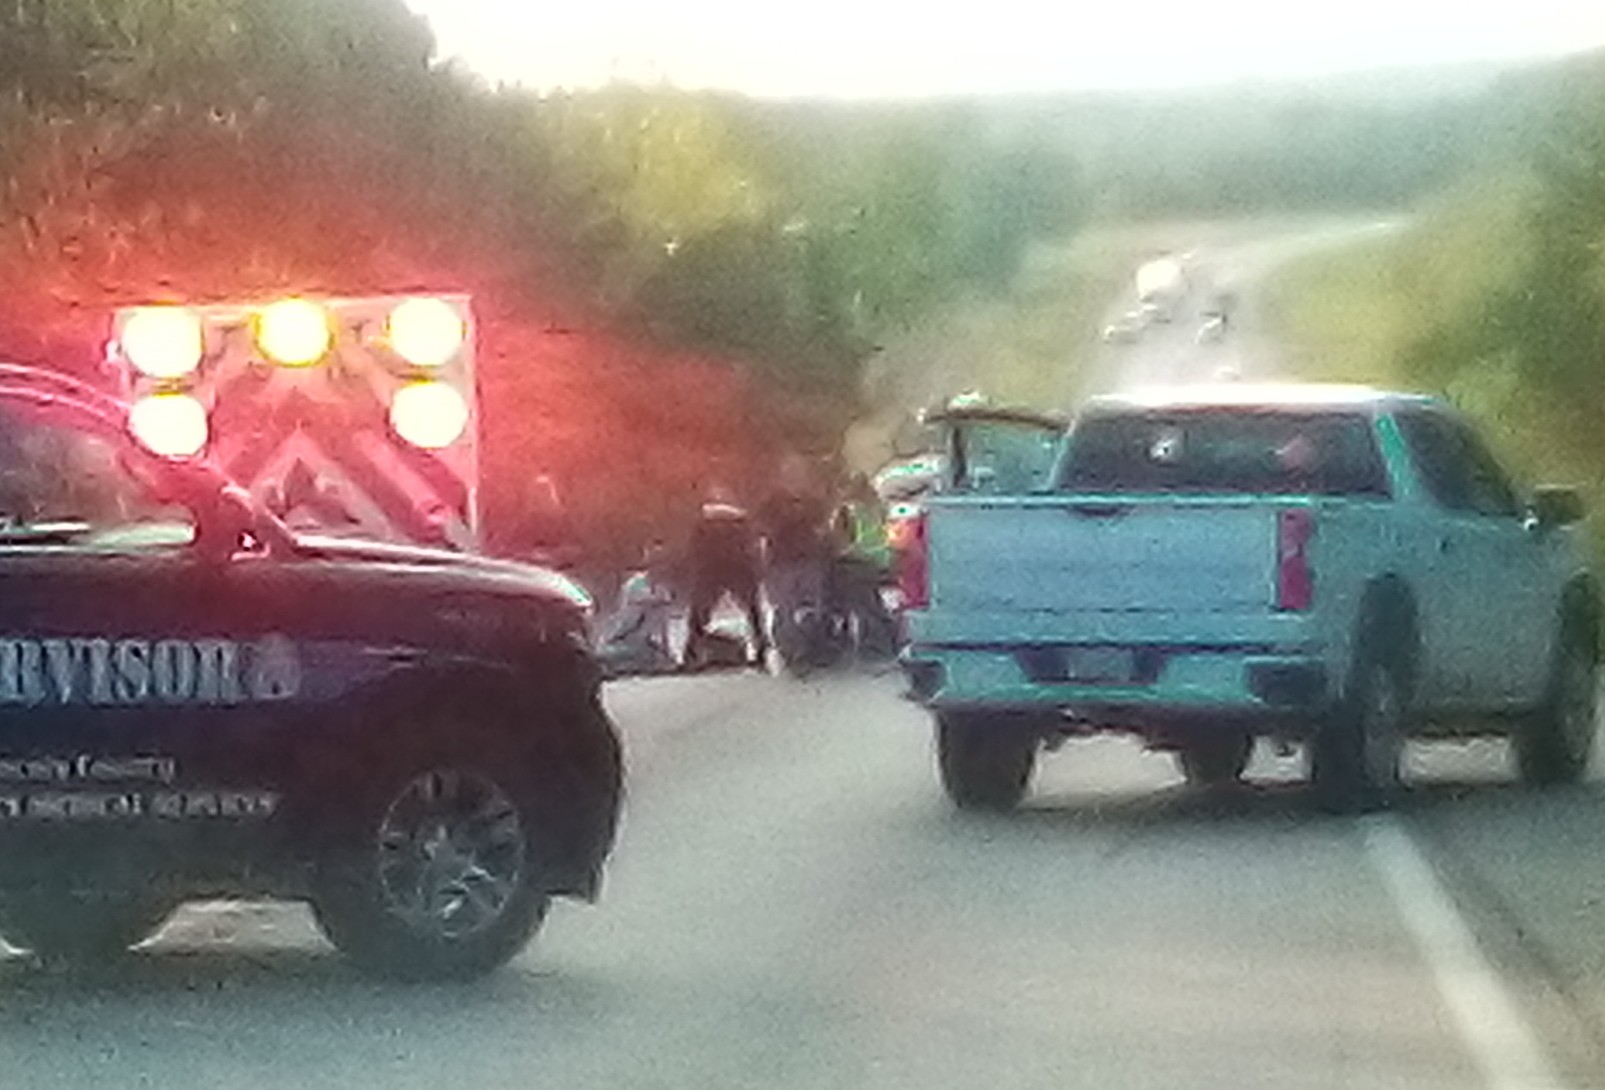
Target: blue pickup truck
1327, 565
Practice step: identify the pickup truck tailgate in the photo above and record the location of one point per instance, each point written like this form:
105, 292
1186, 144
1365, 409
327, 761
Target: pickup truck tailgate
1070, 554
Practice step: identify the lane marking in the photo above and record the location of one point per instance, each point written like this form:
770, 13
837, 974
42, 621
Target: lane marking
1492, 1027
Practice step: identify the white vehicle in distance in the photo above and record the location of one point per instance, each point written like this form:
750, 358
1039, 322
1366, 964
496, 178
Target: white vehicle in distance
1125, 329
1162, 284
1153, 311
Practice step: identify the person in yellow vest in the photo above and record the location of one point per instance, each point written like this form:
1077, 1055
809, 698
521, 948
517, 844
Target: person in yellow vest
861, 566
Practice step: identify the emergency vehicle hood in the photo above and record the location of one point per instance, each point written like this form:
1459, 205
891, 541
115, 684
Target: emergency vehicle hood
463, 569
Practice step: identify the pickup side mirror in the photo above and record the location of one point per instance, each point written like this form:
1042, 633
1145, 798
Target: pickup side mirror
1554, 506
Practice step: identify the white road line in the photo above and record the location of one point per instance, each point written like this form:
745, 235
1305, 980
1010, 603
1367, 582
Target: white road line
1495, 1032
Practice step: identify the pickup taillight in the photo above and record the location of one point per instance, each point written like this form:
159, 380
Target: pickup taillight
1295, 582
911, 561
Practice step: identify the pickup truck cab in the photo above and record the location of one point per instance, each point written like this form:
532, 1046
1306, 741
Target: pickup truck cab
1330, 565
196, 702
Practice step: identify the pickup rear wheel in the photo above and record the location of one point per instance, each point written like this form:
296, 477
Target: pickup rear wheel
986, 761
1554, 745
1216, 759
438, 876
1356, 756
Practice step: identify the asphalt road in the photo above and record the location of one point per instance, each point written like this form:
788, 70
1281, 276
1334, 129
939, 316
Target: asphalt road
793, 904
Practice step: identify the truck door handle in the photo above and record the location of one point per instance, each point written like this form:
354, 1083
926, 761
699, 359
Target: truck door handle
1445, 545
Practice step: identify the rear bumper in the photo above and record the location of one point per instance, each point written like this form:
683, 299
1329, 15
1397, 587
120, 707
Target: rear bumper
1277, 685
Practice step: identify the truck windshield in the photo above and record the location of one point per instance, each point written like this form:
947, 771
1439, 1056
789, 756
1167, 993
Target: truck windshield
1230, 451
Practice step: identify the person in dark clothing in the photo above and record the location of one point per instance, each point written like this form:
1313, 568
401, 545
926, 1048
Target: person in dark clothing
795, 523
861, 567
723, 559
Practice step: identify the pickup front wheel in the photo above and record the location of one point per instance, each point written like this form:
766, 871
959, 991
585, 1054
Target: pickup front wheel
1553, 746
985, 760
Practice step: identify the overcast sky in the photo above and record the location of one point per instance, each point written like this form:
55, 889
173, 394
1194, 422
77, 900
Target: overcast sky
891, 47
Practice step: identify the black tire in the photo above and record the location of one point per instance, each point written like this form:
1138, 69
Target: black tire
438, 875
793, 646
1217, 759
79, 929
812, 643
1554, 745
985, 761
1356, 756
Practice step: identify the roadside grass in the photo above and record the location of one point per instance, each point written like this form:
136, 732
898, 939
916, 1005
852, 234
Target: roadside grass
1334, 317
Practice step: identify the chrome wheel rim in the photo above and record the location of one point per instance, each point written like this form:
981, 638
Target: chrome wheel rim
452, 853
1382, 731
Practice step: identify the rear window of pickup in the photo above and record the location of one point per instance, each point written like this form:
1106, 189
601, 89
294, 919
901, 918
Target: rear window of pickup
1234, 451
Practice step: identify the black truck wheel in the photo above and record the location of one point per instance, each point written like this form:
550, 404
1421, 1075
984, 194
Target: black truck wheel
1216, 759
1553, 746
985, 761
1356, 755
438, 874
79, 929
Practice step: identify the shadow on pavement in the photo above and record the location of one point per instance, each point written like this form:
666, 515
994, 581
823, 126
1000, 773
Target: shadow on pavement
317, 979
1287, 803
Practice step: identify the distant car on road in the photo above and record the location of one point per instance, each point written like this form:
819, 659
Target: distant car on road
1212, 331
1125, 329
1162, 284
909, 478
1221, 304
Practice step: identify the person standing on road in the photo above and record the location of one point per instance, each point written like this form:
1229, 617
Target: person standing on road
795, 522
861, 566
723, 559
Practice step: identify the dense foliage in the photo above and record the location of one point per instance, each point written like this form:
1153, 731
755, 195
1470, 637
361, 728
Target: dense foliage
673, 286
1360, 141
661, 277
